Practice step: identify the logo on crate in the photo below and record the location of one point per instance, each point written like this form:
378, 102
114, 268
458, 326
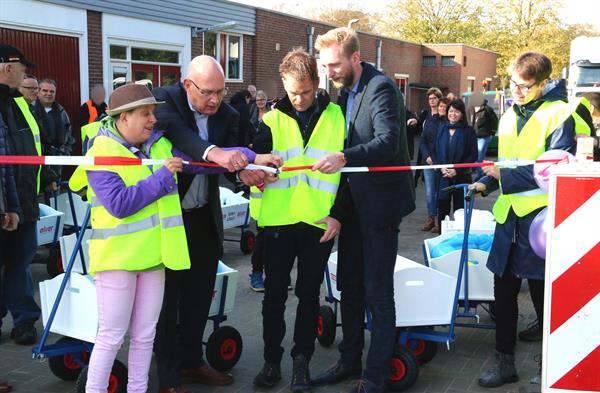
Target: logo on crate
47, 229
473, 263
573, 348
333, 277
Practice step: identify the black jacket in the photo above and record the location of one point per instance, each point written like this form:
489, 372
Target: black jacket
56, 132
84, 112
9, 200
484, 121
177, 119
21, 143
376, 137
245, 128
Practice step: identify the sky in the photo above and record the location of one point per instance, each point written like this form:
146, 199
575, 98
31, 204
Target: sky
582, 11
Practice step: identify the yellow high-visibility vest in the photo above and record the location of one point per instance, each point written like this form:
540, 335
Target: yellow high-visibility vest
302, 196
35, 130
151, 237
529, 145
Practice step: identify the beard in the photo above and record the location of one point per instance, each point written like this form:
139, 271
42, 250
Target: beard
345, 80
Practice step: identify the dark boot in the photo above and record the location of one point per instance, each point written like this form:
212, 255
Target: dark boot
300, 375
268, 376
502, 371
429, 223
533, 332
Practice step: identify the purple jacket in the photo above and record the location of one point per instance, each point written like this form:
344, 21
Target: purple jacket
122, 201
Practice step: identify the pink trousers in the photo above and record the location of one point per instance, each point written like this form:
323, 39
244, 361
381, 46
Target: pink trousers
126, 301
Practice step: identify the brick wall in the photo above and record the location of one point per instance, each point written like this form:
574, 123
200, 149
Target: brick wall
94, 31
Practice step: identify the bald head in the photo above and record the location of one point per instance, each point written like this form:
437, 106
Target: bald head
205, 84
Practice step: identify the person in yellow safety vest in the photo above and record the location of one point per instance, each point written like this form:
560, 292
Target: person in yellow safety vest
540, 119
137, 230
89, 132
294, 210
18, 237
94, 108
594, 101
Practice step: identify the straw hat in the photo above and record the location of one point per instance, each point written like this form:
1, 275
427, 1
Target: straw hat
129, 97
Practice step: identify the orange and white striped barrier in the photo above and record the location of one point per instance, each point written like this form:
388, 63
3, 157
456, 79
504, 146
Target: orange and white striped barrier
571, 348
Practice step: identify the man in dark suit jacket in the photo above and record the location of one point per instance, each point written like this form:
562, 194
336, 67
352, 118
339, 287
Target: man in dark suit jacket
371, 207
196, 121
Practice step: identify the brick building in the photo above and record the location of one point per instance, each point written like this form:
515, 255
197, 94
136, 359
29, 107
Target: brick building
82, 43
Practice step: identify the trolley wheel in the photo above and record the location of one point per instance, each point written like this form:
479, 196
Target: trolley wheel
326, 325
224, 348
247, 242
54, 265
423, 350
404, 369
117, 381
65, 366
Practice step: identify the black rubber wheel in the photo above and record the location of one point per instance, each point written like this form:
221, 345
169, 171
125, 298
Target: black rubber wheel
404, 369
224, 348
326, 325
247, 242
423, 350
65, 366
54, 265
117, 382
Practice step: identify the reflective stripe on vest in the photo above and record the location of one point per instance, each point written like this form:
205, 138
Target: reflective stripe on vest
35, 130
152, 236
529, 144
300, 196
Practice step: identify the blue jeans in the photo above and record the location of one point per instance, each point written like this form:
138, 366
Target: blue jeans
431, 191
366, 260
17, 249
482, 146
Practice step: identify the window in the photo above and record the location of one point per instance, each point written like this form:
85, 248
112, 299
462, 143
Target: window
464, 61
447, 60
429, 61
471, 83
228, 49
152, 66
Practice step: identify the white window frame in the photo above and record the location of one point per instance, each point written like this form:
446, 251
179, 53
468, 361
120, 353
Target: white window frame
241, 50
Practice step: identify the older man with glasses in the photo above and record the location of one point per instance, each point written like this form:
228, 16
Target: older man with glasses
29, 88
196, 120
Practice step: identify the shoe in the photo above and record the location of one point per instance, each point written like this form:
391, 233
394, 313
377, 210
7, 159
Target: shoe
502, 371
436, 229
206, 375
429, 223
532, 333
178, 389
338, 372
300, 375
268, 376
365, 386
256, 282
5, 387
25, 333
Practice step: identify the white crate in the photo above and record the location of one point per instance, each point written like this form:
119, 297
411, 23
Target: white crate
224, 271
423, 296
234, 208
482, 221
62, 204
49, 225
67, 247
77, 314
481, 280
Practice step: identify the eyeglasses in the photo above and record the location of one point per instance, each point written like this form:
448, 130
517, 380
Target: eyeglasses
32, 88
209, 93
260, 99
524, 88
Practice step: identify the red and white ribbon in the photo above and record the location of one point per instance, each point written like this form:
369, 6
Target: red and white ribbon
108, 161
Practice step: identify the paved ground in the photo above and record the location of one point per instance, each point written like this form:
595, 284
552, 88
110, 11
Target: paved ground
450, 371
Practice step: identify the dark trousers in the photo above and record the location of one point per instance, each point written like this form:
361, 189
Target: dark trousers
188, 294
17, 249
506, 291
366, 260
282, 246
258, 254
455, 199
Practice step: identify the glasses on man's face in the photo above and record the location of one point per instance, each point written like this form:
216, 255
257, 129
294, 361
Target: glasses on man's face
209, 93
522, 87
32, 88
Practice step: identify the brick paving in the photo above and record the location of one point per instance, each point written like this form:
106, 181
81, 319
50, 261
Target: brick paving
452, 371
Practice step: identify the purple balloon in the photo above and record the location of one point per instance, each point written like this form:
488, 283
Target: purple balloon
541, 171
538, 232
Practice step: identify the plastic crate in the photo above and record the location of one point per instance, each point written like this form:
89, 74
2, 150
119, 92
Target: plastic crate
49, 225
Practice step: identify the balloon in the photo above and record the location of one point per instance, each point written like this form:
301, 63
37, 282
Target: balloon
541, 171
538, 232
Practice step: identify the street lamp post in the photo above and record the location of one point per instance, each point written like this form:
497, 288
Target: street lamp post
351, 21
